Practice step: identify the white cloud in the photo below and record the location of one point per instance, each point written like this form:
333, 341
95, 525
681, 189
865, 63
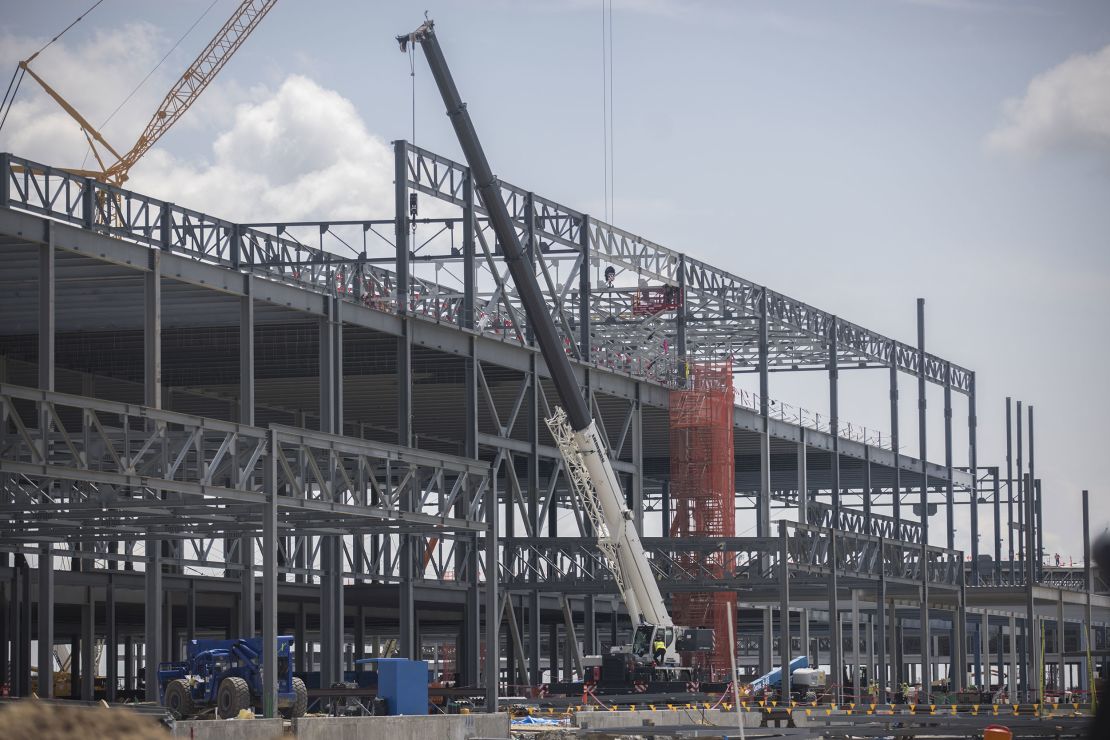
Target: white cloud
298, 152
1065, 108
94, 75
301, 152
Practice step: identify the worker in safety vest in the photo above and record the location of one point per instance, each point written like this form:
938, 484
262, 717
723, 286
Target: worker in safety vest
660, 651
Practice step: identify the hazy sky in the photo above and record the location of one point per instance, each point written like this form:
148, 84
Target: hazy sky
853, 154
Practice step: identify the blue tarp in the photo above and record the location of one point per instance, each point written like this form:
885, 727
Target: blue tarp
530, 720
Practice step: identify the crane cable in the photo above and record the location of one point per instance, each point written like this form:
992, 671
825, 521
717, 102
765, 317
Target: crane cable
151, 72
17, 76
160, 62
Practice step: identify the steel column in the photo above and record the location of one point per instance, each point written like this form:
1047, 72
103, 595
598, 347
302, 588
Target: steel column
152, 382
492, 668
834, 418
270, 582
88, 645
836, 639
1088, 630
1010, 486
784, 611
46, 360
763, 504
882, 673
973, 469
803, 477
895, 446
46, 621
111, 641
332, 628
949, 486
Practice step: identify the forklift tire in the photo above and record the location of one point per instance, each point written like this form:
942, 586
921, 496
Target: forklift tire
300, 701
178, 699
234, 694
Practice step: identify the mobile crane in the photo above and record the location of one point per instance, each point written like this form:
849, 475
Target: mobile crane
574, 430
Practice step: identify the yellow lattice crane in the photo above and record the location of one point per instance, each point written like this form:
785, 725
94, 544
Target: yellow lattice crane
178, 100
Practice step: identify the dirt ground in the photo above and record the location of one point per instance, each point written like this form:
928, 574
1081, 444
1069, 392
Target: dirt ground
34, 720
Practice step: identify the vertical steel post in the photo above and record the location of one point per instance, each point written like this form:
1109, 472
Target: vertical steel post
88, 645
922, 430
895, 444
1020, 472
46, 621
111, 640
784, 612
1010, 486
997, 528
949, 487
1088, 580
763, 504
834, 418
466, 318
1032, 516
46, 361
584, 343
152, 382
680, 320
269, 516
1032, 663
867, 488
882, 672
492, 669
803, 478
854, 636
533, 509
1012, 687
836, 639
246, 416
973, 469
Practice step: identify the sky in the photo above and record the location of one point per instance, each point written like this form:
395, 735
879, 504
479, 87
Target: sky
856, 155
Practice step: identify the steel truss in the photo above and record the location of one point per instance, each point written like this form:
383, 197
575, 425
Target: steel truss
720, 314
99, 474
696, 563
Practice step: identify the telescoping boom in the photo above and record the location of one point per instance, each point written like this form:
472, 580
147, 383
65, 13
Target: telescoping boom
574, 430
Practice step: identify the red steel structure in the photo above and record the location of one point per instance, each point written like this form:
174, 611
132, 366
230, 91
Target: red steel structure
702, 493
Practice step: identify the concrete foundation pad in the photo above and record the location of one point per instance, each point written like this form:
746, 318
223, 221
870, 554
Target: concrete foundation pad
230, 729
716, 717
409, 727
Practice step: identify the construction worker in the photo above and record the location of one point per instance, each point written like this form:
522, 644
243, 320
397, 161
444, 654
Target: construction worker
659, 649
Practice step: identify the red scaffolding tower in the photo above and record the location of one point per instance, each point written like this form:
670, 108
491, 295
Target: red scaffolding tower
702, 491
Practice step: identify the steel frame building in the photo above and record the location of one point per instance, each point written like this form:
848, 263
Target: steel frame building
219, 427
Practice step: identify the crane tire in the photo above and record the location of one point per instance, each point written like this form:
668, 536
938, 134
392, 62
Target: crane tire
233, 695
300, 700
178, 699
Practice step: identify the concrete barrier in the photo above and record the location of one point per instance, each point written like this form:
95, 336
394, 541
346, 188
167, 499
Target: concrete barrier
229, 729
409, 727
601, 719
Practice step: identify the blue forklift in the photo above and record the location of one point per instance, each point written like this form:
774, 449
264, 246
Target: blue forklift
226, 676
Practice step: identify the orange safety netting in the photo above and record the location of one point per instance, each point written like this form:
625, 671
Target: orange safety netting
702, 493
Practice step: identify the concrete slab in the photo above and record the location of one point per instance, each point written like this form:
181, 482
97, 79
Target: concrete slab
632, 718
230, 729
410, 727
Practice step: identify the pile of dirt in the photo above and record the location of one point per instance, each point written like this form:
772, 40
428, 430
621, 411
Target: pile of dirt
36, 720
